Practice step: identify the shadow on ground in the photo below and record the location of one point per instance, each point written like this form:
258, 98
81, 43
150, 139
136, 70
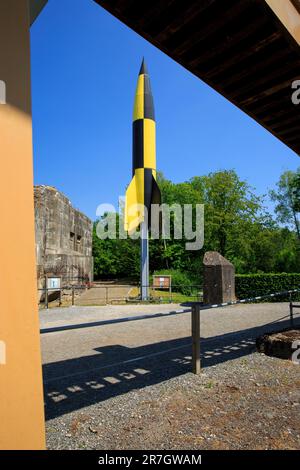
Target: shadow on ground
114, 370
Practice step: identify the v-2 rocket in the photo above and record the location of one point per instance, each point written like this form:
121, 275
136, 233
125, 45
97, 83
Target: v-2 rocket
143, 189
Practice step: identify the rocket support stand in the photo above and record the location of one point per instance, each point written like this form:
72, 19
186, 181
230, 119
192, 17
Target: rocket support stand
144, 260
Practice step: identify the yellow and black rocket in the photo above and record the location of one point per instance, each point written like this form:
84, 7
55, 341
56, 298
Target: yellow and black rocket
143, 189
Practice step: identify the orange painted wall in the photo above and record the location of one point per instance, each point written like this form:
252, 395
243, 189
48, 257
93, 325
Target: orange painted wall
21, 398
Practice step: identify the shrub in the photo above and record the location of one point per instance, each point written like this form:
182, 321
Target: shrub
252, 285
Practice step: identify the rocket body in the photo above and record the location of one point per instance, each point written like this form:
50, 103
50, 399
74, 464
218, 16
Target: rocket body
143, 189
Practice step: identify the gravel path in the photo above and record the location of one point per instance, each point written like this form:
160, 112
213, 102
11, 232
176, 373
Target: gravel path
128, 385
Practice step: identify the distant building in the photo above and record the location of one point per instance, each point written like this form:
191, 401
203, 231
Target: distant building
63, 239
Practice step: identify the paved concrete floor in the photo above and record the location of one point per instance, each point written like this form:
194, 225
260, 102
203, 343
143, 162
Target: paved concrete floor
87, 360
103, 293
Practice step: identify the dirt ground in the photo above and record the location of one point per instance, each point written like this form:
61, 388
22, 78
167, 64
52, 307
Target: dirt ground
102, 293
248, 403
129, 385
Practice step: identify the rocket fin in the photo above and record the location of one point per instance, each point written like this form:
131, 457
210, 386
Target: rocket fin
134, 213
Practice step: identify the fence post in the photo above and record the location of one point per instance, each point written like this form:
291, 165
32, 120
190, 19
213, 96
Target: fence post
291, 312
73, 295
60, 296
46, 298
196, 364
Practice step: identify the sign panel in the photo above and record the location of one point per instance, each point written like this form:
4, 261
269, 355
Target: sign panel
53, 282
162, 282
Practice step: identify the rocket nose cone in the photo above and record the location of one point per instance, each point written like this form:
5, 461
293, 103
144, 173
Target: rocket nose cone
143, 69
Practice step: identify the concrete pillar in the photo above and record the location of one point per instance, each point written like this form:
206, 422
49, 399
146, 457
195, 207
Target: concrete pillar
218, 279
21, 394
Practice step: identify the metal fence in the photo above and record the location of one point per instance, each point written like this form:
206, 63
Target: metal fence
96, 294
93, 294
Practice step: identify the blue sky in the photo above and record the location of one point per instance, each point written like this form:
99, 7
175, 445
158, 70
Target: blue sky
84, 70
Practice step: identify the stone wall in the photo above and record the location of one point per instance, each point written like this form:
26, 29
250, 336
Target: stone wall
63, 238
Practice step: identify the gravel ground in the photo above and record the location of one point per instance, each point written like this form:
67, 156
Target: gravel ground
247, 403
128, 385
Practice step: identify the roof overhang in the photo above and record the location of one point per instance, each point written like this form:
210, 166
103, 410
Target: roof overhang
36, 7
247, 50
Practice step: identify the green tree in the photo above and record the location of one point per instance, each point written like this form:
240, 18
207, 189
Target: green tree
236, 225
296, 191
286, 197
115, 258
230, 209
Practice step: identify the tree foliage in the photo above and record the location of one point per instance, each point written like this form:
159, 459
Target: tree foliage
236, 224
287, 199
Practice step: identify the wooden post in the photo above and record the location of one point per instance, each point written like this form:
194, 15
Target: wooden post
46, 298
196, 364
73, 295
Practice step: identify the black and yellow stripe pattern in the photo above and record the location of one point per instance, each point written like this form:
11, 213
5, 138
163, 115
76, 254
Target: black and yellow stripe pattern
143, 189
